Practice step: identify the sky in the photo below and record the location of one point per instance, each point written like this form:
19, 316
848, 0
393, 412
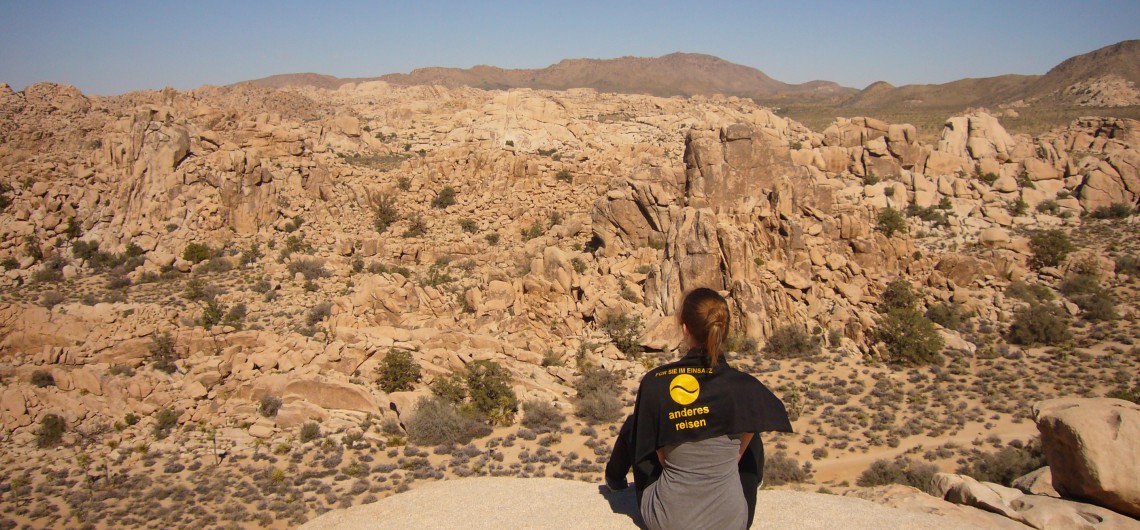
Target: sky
111, 47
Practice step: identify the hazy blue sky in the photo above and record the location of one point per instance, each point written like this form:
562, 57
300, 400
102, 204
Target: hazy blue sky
110, 47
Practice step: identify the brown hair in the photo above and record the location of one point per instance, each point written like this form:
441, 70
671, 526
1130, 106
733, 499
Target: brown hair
705, 314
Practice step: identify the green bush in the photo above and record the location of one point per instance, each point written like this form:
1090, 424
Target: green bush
1039, 324
1049, 206
1116, 210
450, 387
490, 392
235, 317
742, 344
42, 379
384, 212
1004, 466
51, 430
269, 405
5, 199
564, 175
468, 225
1049, 247
318, 313
310, 431
1029, 292
891, 221
51, 299
398, 371
625, 332
937, 216
900, 471
163, 353
598, 395
780, 469
310, 268
949, 316
532, 232
165, 421
197, 252
542, 416
791, 342
434, 421
897, 295
1127, 265
870, 179
988, 178
445, 198
492, 238
909, 337
416, 227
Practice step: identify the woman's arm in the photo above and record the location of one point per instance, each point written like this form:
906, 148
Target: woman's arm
745, 439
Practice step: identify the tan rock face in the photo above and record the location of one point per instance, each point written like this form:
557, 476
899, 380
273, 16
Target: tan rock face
1036, 511
1093, 449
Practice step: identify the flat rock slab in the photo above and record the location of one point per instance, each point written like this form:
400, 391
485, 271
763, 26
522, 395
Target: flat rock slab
541, 503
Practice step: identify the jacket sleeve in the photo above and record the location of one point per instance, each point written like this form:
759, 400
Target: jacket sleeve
621, 458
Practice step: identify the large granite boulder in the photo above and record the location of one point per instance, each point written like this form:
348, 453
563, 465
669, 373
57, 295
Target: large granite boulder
1093, 450
1035, 511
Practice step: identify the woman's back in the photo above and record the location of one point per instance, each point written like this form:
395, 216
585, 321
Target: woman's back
699, 487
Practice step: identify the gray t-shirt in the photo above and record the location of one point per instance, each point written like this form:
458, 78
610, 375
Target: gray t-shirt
699, 488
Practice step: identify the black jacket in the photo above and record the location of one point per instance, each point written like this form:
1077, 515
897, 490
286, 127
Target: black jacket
686, 401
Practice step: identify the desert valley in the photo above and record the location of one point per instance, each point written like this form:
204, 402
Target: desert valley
246, 306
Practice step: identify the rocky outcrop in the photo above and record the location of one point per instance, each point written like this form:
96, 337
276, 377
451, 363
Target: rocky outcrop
1035, 511
1093, 450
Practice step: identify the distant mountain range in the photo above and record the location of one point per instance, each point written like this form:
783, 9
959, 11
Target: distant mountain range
1110, 74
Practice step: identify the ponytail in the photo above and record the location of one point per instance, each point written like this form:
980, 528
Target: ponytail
705, 314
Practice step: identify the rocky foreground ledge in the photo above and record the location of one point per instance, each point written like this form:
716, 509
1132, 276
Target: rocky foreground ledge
555, 503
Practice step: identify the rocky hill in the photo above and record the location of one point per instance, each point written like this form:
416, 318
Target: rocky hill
1106, 77
204, 292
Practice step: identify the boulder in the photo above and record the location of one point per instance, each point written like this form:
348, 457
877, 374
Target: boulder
1035, 511
1092, 446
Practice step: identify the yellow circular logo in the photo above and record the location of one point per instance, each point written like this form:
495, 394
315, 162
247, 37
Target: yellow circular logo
684, 389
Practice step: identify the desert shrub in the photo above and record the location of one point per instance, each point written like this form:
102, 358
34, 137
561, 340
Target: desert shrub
909, 337
900, 471
791, 342
1039, 324
935, 215
490, 392
269, 405
1005, 465
1097, 306
197, 252
1029, 292
564, 175
534, 230
779, 469
741, 343
318, 313
398, 371
1127, 394
1049, 206
310, 431
251, 254
625, 332
294, 224
295, 244
212, 314
949, 316
5, 199
1018, 207
9, 263
51, 430
450, 387
492, 238
434, 421
310, 268
1116, 210
384, 211
580, 265
542, 416
445, 198
416, 226
163, 353
897, 295
891, 221
870, 179
467, 225
165, 420
51, 299
989, 178
42, 379
597, 395
235, 317
50, 272
1049, 248
1127, 265
121, 369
